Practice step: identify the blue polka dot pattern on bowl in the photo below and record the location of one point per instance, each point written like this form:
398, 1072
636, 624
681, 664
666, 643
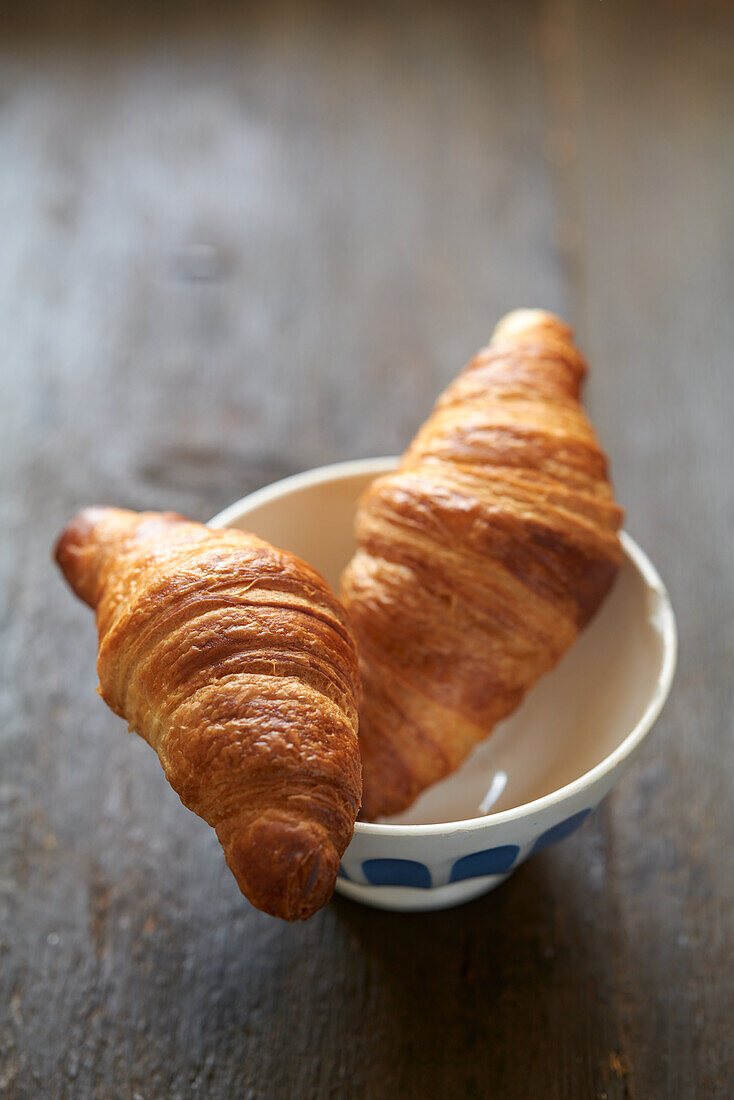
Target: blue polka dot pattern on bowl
341, 873
492, 861
560, 831
397, 872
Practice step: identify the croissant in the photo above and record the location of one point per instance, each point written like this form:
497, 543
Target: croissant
479, 559
235, 663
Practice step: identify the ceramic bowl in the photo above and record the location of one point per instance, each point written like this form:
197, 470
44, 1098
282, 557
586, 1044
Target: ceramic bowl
543, 770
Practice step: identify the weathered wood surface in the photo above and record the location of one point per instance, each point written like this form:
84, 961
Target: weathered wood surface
240, 241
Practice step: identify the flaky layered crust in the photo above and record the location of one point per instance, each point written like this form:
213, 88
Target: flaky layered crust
479, 559
234, 661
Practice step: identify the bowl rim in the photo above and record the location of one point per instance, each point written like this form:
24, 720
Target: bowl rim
662, 611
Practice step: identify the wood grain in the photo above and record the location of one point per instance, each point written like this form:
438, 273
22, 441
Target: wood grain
245, 240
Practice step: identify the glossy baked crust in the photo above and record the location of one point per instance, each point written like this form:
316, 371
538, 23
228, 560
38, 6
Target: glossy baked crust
479, 559
235, 662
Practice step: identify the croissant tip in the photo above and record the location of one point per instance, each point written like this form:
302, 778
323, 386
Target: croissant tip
76, 550
77, 530
286, 869
522, 321
73, 543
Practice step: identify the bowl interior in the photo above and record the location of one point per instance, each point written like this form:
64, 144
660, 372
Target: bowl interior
572, 719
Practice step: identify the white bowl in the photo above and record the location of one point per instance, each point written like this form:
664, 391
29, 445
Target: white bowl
543, 770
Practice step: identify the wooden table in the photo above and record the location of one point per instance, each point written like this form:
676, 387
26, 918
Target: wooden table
240, 241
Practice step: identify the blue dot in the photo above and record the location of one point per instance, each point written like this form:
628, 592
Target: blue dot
560, 831
341, 873
492, 861
397, 872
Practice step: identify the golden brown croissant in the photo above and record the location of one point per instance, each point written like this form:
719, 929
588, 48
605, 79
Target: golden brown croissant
235, 662
479, 559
